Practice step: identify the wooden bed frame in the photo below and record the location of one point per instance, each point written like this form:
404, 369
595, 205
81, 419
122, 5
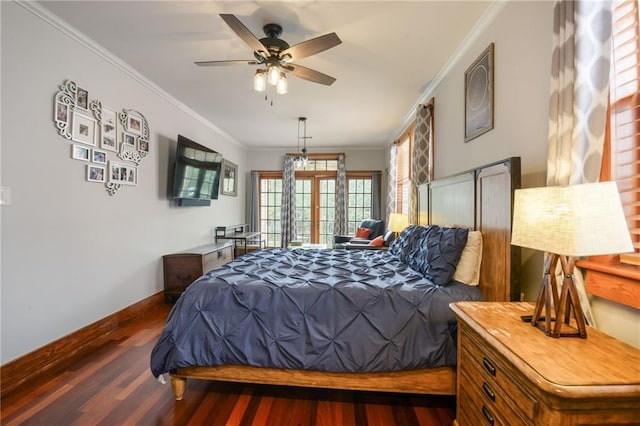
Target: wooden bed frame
482, 199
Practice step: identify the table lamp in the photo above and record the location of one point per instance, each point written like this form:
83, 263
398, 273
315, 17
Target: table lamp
398, 222
567, 222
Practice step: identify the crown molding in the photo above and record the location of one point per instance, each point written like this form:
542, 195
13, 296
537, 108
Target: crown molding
91, 45
485, 20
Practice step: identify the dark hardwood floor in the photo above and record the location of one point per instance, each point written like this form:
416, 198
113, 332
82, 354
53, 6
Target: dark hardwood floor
114, 386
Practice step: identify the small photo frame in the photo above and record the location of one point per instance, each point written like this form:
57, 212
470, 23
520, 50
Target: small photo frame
478, 96
79, 152
98, 156
129, 139
61, 112
131, 176
109, 130
95, 173
229, 178
84, 129
134, 123
82, 98
143, 145
123, 174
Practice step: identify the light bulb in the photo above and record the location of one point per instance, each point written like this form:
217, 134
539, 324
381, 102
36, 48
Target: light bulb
281, 88
259, 81
273, 75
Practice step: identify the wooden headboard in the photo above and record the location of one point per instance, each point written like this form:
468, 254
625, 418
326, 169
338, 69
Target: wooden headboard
481, 199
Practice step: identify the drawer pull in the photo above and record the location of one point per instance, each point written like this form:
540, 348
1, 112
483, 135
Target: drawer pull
487, 390
488, 366
183, 277
487, 415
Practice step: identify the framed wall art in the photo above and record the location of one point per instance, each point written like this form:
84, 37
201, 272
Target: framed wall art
229, 178
98, 156
79, 152
478, 96
109, 130
84, 129
95, 173
110, 133
82, 98
123, 174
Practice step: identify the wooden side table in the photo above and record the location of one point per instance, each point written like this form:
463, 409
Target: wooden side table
181, 269
510, 372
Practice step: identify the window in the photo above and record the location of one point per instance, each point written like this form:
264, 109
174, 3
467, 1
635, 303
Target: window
622, 152
607, 277
403, 185
358, 202
270, 203
315, 201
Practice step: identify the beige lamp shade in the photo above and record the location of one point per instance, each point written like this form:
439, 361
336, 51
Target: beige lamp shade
398, 221
577, 220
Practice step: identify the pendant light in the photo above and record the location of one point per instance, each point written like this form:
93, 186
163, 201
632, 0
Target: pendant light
302, 160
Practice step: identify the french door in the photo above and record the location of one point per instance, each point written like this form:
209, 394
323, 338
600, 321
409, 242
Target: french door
315, 208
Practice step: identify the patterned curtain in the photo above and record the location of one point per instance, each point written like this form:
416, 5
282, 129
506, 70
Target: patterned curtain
340, 218
579, 99
392, 180
376, 202
421, 157
254, 205
288, 209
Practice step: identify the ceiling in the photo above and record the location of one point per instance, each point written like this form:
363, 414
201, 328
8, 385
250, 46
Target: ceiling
391, 51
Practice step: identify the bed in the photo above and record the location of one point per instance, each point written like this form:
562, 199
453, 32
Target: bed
342, 319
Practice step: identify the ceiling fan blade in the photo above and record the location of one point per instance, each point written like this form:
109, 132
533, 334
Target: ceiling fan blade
244, 33
223, 63
310, 75
311, 47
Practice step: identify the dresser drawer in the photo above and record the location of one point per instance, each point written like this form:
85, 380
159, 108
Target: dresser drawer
485, 366
492, 401
476, 408
217, 258
180, 271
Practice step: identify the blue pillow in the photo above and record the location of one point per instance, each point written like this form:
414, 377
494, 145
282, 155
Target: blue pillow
407, 243
438, 253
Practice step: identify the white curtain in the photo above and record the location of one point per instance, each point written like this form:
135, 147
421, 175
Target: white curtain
579, 99
288, 209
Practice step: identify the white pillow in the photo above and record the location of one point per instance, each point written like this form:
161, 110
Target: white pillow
468, 269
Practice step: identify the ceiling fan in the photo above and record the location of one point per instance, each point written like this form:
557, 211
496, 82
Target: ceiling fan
277, 55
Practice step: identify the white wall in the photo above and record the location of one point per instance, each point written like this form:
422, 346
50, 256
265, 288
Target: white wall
72, 254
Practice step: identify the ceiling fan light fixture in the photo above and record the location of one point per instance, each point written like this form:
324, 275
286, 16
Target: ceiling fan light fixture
273, 75
282, 87
259, 81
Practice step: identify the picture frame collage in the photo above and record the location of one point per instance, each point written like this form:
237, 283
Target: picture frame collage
98, 132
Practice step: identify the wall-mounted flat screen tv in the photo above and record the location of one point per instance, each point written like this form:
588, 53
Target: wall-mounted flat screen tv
196, 172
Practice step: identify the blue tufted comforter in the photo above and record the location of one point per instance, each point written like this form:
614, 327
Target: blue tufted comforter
326, 310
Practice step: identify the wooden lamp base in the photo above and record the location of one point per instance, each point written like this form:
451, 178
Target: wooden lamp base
553, 316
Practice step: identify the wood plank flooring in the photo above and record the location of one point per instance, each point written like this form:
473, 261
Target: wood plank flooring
114, 386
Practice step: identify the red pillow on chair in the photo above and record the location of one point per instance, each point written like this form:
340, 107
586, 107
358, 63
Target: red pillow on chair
377, 241
363, 232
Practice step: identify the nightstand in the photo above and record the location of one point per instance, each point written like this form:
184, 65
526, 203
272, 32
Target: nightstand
511, 373
181, 269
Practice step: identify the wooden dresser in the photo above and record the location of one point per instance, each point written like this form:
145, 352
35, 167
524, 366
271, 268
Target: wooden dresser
511, 373
181, 269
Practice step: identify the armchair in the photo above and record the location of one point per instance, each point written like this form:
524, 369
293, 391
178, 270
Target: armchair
376, 227
357, 244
